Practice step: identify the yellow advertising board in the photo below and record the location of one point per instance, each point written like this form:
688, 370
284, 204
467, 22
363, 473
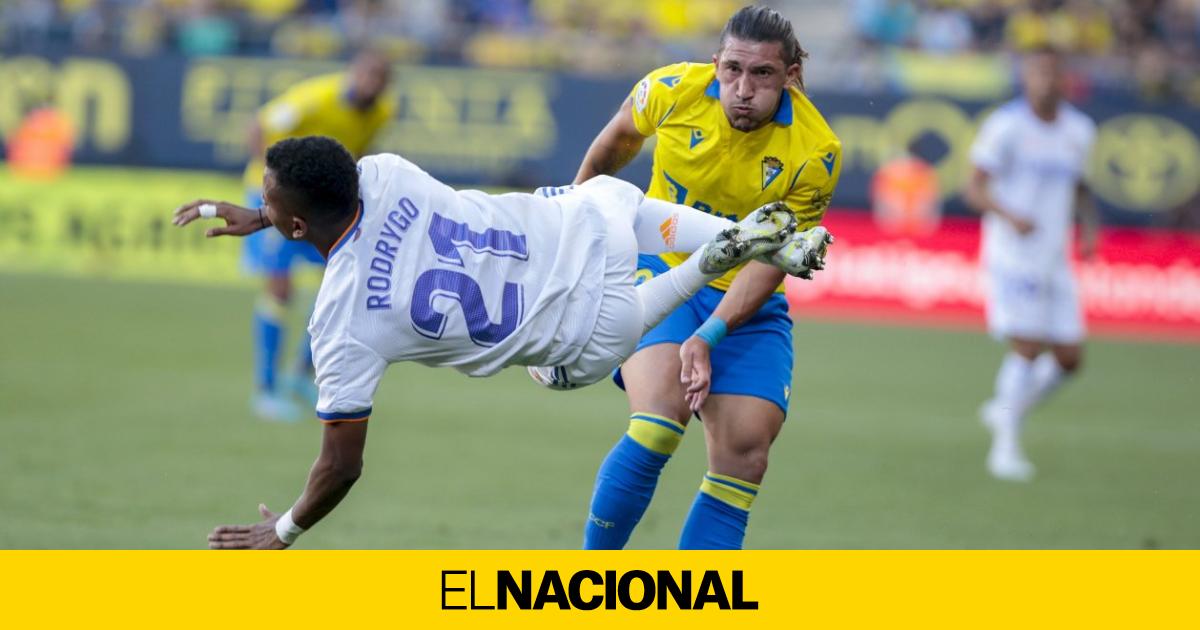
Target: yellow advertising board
115, 223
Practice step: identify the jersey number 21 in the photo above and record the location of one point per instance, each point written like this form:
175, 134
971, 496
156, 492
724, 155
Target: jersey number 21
448, 236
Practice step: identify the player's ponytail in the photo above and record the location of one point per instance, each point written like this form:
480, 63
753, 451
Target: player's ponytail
764, 24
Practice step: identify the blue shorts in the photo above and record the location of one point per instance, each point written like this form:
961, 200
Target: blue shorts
268, 253
754, 359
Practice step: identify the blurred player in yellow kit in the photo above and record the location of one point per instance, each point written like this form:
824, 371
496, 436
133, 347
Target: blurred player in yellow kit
732, 135
349, 107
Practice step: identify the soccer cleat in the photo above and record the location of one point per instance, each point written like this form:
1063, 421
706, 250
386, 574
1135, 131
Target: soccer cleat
803, 253
272, 407
1009, 464
764, 231
551, 378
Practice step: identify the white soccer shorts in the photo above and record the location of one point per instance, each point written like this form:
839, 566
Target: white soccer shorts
1040, 305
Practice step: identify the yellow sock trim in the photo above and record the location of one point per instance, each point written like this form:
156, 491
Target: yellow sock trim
657, 433
740, 494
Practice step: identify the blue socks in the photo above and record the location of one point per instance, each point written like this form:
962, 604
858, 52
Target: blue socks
268, 336
627, 479
719, 514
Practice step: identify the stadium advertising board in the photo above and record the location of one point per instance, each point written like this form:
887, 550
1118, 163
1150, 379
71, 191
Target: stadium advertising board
1141, 283
528, 128
114, 223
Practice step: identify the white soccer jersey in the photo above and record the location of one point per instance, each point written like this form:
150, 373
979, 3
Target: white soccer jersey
451, 278
1035, 167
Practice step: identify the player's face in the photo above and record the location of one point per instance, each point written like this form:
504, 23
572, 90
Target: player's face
752, 76
369, 77
1042, 79
278, 210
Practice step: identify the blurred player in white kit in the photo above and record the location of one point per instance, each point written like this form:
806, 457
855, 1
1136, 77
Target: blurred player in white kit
1029, 161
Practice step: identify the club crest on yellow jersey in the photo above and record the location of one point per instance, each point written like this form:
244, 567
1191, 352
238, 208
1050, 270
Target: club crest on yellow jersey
771, 168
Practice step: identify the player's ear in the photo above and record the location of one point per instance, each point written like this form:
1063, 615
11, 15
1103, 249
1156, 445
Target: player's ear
793, 74
299, 228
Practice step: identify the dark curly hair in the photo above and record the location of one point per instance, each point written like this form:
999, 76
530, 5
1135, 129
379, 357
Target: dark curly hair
764, 24
319, 174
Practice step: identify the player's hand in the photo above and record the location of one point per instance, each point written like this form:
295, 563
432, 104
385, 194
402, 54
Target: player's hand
697, 371
1022, 226
257, 536
239, 221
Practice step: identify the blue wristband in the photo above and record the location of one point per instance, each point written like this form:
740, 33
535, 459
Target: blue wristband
712, 331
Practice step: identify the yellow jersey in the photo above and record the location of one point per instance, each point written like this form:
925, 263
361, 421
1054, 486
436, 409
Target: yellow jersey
703, 162
318, 106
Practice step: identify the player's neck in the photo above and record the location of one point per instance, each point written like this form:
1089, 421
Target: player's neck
1045, 111
326, 240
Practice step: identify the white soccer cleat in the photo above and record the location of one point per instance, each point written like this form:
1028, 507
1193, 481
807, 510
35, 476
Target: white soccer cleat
766, 229
551, 378
803, 253
1009, 464
1005, 460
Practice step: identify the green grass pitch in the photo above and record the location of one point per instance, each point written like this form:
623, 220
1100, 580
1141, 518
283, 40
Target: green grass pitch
124, 423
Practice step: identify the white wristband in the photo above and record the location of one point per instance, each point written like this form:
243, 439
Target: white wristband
286, 529
208, 210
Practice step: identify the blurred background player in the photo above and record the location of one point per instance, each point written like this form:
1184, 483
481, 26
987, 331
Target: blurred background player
905, 199
732, 135
1029, 161
349, 107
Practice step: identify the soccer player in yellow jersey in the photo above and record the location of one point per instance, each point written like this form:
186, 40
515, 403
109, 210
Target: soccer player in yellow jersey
349, 107
732, 135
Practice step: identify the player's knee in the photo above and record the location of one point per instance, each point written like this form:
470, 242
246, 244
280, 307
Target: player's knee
661, 406
1071, 362
754, 465
748, 463
279, 288
680, 414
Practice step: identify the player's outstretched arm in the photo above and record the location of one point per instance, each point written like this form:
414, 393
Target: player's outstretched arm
239, 221
616, 145
333, 474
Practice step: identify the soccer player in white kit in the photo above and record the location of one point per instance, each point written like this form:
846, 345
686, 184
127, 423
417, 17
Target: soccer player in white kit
1029, 160
418, 271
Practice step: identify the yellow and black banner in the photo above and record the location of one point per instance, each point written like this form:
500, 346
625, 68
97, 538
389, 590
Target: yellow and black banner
115, 222
547, 589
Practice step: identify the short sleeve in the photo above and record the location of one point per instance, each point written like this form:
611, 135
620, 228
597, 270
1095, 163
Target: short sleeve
989, 150
655, 96
812, 189
348, 373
